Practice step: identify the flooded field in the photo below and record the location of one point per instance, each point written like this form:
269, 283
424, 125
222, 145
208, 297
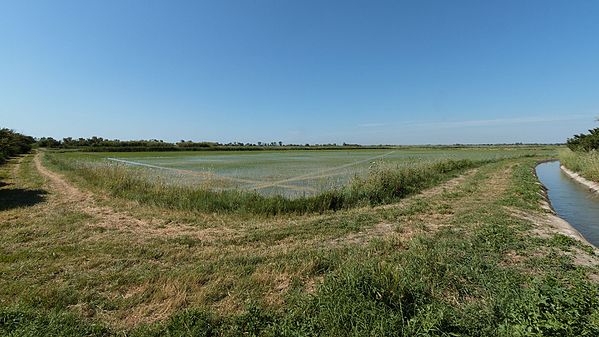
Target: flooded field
287, 173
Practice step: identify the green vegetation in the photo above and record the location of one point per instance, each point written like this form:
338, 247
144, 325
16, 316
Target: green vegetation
280, 173
585, 163
99, 144
585, 142
379, 187
582, 155
340, 180
457, 260
13, 143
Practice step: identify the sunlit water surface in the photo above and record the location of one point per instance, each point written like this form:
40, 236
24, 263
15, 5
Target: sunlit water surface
571, 200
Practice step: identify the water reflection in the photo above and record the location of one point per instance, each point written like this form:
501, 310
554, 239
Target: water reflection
571, 200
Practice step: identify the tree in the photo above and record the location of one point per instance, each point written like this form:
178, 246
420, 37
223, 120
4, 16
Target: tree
584, 142
13, 143
50, 142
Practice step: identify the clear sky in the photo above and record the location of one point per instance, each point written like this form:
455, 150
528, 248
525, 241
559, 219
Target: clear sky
370, 72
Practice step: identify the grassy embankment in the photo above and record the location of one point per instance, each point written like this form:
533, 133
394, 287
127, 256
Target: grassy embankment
584, 163
452, 261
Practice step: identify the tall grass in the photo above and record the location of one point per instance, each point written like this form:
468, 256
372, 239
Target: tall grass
585, 163
444, 284
484, 275
381, 185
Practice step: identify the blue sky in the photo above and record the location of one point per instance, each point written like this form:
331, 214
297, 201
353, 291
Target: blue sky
370, 72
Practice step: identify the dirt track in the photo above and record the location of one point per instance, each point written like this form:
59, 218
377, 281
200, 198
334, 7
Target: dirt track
107, 217
67, 193
83, 201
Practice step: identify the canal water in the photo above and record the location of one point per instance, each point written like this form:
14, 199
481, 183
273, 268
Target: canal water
571, 200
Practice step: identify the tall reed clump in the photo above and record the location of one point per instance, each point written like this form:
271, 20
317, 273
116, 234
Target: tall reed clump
585, 163
381, 185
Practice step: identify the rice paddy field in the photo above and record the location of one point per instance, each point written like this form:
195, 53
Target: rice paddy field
285, 173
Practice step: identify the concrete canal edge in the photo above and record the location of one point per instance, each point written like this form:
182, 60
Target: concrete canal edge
591, 185
559, 224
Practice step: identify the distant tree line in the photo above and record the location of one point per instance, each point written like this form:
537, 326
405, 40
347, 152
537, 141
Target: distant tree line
99, 144
584, 141
13, 143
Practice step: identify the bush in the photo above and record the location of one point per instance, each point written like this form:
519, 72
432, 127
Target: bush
13, 143
584, 142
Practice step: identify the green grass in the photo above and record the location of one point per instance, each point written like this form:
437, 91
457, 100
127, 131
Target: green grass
392, 176
585, 163
454, 262
379, 187
287, 173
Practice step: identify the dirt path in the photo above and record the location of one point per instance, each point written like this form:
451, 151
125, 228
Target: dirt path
492, 188
16, 168
83, 201
68, 194
432, 220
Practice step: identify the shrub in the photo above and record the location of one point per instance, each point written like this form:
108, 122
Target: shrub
13, 143
584, 142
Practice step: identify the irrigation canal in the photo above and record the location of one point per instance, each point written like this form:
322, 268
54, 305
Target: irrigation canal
571, 200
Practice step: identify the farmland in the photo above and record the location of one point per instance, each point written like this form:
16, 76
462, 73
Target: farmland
299, 169
459, 244
286, 173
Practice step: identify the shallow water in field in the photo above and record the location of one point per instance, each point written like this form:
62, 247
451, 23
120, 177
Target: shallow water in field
571, 200
289, 173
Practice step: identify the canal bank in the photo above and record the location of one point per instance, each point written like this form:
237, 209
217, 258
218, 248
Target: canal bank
576, 207
591, 185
